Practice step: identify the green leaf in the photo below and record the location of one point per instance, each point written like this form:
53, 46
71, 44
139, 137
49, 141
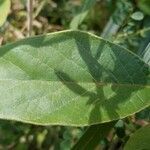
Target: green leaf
4, 10
144, 5
146, 54
77, 20
71, 78
123, 8
120, 129
144, 114
137, 16
93, 135
122, 11
140, 140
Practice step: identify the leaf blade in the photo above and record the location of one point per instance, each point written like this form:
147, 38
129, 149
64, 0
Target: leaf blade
56, 78
140, 136
93, 135
4, 10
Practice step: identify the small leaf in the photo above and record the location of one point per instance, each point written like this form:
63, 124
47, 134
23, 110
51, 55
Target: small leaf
137, 16
140, 140
4, 10
71, 78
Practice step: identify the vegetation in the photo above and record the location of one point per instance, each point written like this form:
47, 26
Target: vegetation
75, 74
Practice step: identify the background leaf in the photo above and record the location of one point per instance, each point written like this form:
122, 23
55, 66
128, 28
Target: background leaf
146, 54
144, 5
137, 16
87, 4
4, 10
139, 140
70, 78
93, 135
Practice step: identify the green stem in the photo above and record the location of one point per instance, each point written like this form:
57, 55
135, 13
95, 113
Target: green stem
125, 35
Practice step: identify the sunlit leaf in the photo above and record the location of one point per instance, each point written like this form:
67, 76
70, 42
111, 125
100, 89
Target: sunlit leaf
71, 78
137, 16
4, 10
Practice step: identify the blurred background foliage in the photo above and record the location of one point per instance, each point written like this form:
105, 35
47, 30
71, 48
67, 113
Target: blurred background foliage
125, 22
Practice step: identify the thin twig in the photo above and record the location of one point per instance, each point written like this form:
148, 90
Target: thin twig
126, 35
29, 16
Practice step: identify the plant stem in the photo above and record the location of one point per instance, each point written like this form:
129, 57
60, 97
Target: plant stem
29, 16
125, 35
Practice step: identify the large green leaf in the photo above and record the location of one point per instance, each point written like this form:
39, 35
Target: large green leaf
4, 9
140, 140
71, 78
